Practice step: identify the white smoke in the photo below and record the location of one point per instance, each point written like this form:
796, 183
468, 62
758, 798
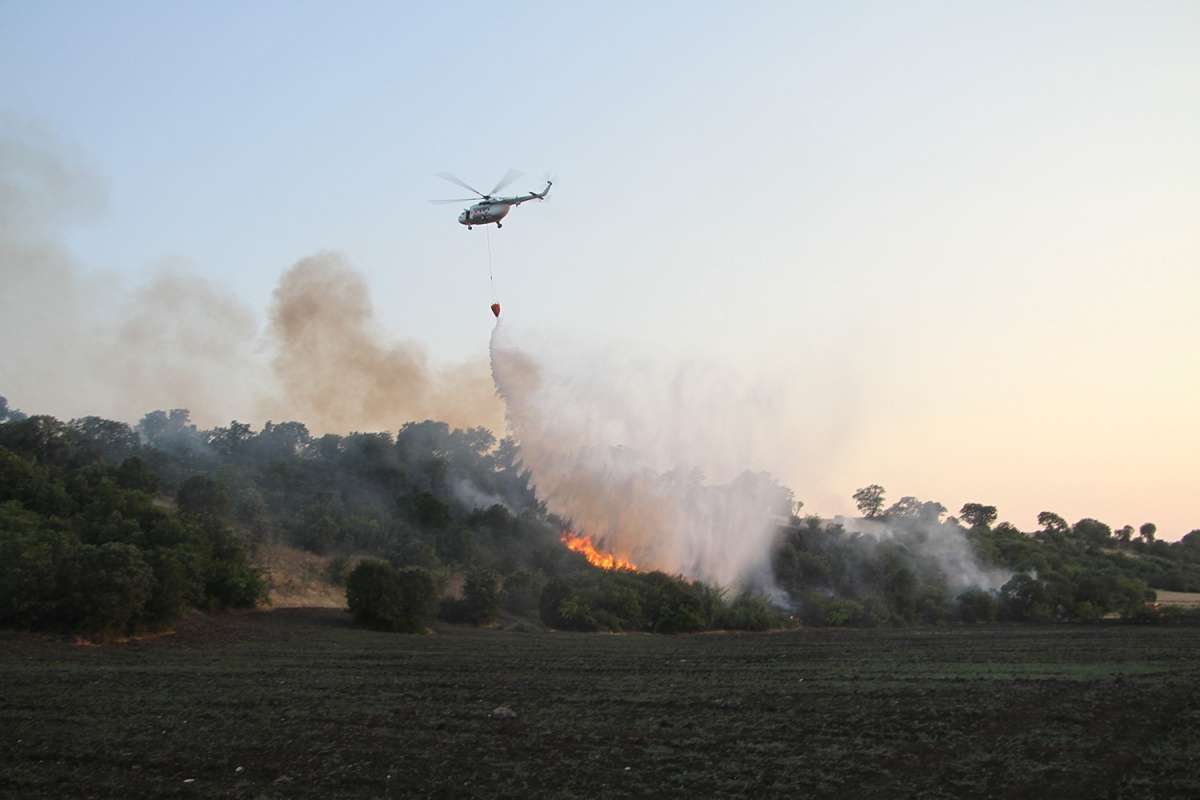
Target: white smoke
940, 543
648, 458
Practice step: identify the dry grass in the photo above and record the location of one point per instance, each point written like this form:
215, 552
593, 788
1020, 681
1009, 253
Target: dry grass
298, 578
1181, 599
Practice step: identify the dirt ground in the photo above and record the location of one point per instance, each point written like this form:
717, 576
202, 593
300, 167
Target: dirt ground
298, 703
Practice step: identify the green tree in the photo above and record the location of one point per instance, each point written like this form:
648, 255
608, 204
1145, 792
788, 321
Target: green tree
977, 515
1026, 599
1052, 523
977, 605
869, 500
107, 587
550, 604
135, 474
385, 598
32, 553
481, 596
1148, 531
522, 589
1092, 532
201, 496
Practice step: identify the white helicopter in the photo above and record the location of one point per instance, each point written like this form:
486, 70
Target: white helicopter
490, 208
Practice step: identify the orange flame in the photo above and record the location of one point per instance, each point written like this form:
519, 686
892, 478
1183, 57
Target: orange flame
597, 558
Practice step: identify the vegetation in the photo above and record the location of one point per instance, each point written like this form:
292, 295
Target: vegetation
86, 543
108, 529
913, 567
389, 599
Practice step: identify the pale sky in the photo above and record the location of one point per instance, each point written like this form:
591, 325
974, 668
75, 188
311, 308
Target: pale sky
969, 230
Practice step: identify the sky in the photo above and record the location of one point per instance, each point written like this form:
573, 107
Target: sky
964, 235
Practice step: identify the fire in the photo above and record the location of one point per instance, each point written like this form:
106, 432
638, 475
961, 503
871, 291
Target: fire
598, 558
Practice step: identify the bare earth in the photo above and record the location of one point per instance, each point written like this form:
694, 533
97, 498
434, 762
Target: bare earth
298, 703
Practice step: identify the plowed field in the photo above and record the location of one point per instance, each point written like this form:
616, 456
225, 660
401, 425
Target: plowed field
296, 703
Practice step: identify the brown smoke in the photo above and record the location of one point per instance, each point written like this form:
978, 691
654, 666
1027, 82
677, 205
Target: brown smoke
337, 372
75, 342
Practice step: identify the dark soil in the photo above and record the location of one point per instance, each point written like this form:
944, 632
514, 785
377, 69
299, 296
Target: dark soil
308, 706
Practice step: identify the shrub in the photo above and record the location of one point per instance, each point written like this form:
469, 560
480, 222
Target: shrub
481, 596
108, 587
550, 603
977, 605
31, 560
749, 612
385, 598
521, 592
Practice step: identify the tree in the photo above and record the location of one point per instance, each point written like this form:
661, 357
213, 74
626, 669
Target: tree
8, 414
977, 515
107, 587
385, 598
230, 441
521, 591
1148, 530
550, 604
931, 511
103, 439
481, 597
869, 500
1052, 523
281, 441
1092, 532
202, 496
171, 431
906, 507
977, 605
1025, 599
134, 474
1125, 534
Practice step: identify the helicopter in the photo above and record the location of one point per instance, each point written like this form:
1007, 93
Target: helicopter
490, 208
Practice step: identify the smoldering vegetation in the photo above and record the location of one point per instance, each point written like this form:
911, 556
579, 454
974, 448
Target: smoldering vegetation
647, 458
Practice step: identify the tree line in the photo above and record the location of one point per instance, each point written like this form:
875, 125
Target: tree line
109, 529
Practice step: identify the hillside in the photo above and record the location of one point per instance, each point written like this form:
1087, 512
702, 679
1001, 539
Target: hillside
109, 528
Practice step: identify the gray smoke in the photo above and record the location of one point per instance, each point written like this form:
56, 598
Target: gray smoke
646, 457
76, 342
943, 544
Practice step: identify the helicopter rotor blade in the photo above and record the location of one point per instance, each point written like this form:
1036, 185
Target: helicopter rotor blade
446, 176
459, 200
508, 178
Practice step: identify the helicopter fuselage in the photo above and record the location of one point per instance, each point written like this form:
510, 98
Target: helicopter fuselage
484, 213
494, 209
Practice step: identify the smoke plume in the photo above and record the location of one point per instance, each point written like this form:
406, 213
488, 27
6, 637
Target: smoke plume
338, 372
939, 543
647, 458
76, 342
